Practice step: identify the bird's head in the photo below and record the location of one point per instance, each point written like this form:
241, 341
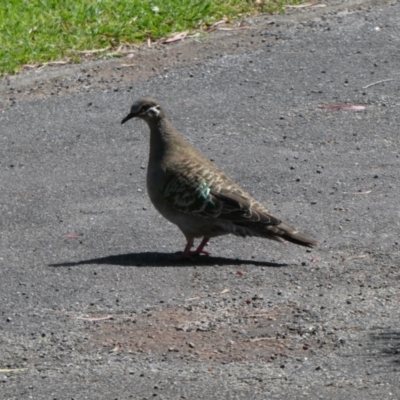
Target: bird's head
146, 109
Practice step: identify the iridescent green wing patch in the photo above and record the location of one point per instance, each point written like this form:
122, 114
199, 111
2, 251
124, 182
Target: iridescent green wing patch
190, 194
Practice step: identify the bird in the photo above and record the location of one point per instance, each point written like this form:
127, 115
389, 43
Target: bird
190, 191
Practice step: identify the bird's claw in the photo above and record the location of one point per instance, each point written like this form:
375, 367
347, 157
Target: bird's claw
181, 255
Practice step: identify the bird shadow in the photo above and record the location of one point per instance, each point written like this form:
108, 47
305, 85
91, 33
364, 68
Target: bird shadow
155, 259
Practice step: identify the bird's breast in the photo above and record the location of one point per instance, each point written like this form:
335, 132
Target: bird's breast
155, 182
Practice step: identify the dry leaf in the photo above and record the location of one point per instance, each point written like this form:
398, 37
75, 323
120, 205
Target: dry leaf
220, 22
305, 5
261, 315
239, 28
55, 63
114, 54
175, 38
299, 6
71, 236
214, 26
261, 338
194, 298
42, 65
115, 349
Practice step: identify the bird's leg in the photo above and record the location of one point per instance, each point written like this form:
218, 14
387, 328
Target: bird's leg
203, 244
187, 253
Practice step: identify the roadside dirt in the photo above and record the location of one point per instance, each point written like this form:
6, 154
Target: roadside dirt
220, 335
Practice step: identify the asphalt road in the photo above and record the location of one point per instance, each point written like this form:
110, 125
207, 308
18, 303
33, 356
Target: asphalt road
93, 305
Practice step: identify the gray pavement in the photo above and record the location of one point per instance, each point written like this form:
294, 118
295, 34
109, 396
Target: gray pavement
93, 305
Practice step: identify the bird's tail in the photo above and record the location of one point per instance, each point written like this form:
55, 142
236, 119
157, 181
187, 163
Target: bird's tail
291, 234
279, 232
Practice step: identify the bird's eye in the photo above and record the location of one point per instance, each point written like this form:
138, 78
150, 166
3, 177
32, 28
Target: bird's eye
144, 108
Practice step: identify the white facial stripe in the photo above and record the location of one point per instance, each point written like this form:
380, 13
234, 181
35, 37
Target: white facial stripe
155, 110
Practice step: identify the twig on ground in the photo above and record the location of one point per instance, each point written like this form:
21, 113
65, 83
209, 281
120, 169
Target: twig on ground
366, 192
94, 51
95, 319
377, 83
355, 257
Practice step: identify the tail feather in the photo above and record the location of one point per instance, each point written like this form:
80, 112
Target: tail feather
293, 235
280, 232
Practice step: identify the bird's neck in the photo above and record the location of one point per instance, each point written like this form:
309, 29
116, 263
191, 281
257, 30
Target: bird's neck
164, 138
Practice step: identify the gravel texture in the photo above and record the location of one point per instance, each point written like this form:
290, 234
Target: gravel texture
93, 304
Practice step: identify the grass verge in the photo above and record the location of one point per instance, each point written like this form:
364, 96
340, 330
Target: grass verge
37, 31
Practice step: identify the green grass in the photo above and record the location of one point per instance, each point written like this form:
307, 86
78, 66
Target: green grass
36, 31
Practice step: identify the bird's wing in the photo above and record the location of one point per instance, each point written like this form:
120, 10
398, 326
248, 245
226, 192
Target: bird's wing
212, 195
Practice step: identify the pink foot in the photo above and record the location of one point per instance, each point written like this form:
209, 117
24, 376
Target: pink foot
187, 253
181, 255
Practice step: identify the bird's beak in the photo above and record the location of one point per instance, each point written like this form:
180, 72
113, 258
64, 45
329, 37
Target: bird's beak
128, 117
